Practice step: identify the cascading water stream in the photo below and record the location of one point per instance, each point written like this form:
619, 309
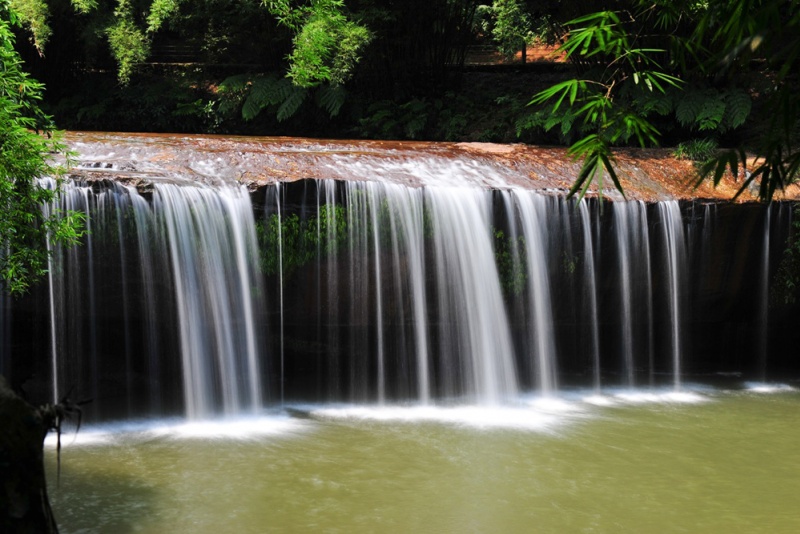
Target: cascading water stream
149, 245
373, 203
532, 210
470, 292
358, 229
648, 282
212, 242
280, 291
763, 304
623, 234
406, 222
591, 290
676, 260
53, 339
330, 243
123, 262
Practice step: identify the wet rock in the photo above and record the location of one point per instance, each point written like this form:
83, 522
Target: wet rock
24, 505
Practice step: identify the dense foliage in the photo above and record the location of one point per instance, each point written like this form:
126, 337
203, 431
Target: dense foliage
697, 64
25, 156
638, 72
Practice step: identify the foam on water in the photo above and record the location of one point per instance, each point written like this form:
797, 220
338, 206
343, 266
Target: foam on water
666, 396
599, 400
179, 429
517, 418
765, 387
534, 413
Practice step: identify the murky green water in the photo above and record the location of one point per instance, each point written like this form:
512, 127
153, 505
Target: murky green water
730, 463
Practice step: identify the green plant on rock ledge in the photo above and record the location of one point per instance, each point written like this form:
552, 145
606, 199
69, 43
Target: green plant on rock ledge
697, 150
786, 284
287, 243
509, 254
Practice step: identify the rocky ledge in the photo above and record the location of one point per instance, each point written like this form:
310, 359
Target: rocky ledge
142, 159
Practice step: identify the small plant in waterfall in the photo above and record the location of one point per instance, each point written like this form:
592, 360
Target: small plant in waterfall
509, 254
569, 263
300, 241
786, 284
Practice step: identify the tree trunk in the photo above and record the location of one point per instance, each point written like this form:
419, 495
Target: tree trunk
24, 505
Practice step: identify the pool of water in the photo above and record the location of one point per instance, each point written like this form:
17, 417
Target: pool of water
704, 461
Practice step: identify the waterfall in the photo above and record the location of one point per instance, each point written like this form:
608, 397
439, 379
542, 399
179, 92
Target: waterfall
280, 291
591, 290
406, 227
624, 245
385, 293
763, 304
150, 246
472, 313
211, 243
676, 259
330, 219
373, 202
62, 311
53, 338
533, 214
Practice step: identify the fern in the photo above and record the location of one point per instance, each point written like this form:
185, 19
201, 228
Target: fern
711, 113
738, 105
266, 91
331, 98
281, 91
234, 84
709, 109
566, 124
697, 150
292, 103
688, 108
527, 121
257, 97
652, 102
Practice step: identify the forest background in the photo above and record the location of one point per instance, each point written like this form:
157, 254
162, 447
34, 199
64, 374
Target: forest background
714, 79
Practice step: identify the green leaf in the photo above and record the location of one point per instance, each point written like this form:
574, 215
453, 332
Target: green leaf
738, 105
331, 98
688, 108
290, 106
559, 91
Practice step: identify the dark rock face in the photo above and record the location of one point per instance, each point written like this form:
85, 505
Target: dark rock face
24, 505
